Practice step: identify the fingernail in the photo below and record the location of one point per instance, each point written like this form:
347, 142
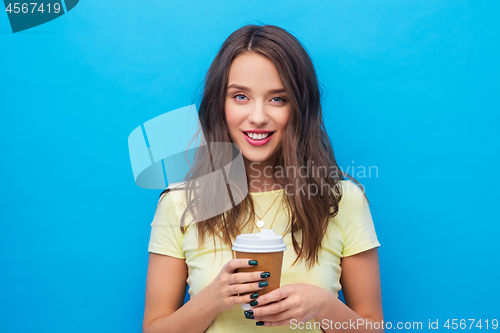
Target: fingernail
254, 303
252, 262
265, 275
249, 313
249, 317
263, 284
259, 323
254, 296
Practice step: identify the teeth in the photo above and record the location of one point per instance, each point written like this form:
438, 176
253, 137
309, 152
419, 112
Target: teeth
259, 136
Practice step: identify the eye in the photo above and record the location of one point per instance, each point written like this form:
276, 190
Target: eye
236, 96
281, 98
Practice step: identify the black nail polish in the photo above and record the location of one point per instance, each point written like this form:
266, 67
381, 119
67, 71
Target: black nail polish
254, 303
263, 284
254, 296
249, 313
249, 317
252, 262
265, 275
259, 323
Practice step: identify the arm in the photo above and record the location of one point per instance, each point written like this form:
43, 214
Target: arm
166, 285
301, 302
165, 289
360, 281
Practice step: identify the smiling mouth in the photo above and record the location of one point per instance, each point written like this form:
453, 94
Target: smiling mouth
257, 137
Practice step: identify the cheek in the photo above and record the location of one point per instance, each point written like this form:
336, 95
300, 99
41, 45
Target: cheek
232, 119
283, 121
229, 120
228, 115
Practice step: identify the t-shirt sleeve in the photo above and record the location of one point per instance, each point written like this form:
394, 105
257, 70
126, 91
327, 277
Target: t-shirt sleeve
359, 232
166, 236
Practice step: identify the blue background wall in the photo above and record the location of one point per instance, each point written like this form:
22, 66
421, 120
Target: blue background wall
411, 88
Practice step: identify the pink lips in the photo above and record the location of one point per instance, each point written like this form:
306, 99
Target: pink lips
258, 142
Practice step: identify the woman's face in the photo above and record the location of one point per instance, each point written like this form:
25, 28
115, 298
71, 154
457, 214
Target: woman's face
256, 107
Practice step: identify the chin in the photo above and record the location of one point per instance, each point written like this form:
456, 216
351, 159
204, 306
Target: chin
255, 158
261, 158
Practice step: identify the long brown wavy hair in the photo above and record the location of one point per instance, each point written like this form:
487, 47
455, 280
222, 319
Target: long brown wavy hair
304, 141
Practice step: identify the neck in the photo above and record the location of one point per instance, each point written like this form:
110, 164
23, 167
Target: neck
260, 175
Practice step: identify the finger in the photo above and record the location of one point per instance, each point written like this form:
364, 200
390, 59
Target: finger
247, 287
245, 277
233, 264
277, 317
271, 309
243, 299
275, 296
275, 323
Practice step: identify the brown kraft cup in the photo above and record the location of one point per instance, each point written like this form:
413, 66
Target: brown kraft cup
267, 248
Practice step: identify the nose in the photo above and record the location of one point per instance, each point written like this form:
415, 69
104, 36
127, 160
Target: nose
258, 115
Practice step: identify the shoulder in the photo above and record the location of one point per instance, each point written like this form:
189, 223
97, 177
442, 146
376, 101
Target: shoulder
173, 193
353, 201
351, 192
170, 201
350, 189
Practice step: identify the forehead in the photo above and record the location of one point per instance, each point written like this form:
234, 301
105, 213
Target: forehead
255, 72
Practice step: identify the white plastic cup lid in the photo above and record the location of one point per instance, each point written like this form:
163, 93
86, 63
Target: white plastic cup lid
265, 241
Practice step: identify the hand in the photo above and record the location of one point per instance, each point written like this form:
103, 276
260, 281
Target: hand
300, 301
225, 288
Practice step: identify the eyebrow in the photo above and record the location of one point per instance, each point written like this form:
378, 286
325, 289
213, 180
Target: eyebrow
273, 91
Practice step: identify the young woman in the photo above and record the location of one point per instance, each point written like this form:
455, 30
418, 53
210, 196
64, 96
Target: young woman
261, 93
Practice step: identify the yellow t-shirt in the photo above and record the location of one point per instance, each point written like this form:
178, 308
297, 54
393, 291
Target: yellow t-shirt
350, 232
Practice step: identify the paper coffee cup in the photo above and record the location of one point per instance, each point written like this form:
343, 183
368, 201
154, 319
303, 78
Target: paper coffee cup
267, 247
